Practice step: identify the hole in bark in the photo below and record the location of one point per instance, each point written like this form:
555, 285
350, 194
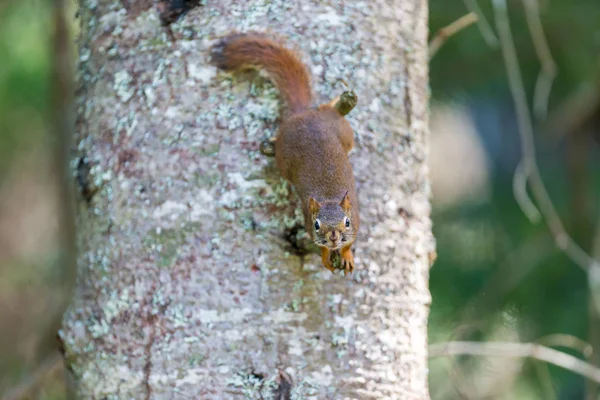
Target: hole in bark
284, 389
298, 241
257, 375
86, 188
404, 213
170, 10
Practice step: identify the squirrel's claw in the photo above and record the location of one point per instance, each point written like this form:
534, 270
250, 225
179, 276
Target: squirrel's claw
347, 260
326, 259
348, 266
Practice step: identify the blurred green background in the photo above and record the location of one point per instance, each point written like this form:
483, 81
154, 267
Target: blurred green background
36, 274
497, 276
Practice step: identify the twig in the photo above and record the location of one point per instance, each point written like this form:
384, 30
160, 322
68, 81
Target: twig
482, 23
546, 77
512, 350
568, 341
574, 113
521, 196
446, 32
561, 238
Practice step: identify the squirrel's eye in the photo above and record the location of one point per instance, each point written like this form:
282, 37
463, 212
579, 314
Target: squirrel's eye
347, 222
317, 225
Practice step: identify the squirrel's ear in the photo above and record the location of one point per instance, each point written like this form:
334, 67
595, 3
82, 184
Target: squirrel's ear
345, 203
313, 206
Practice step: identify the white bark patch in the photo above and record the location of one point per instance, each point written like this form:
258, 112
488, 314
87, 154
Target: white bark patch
388, 338
246, 190
324, 377
150, 96
116, 304
345, 322
122, 85
192, 377
213, 316
295, 347
233, 335
173, 113
203, 205
170, 209
202, 74
331, 17
113, 21
280, 316
238, 179
117, 378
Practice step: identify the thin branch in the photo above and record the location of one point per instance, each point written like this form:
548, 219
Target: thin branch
561, 238
449, 30
546, 77
482, 23
568, 341
574, 113
521, 196
521, 350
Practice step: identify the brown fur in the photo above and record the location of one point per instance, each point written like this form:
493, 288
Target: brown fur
311, 152
256, 50
312, 145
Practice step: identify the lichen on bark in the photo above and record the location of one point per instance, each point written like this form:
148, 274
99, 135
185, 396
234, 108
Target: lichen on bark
187, 281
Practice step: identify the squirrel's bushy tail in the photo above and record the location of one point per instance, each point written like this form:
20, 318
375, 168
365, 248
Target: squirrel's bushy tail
254, 49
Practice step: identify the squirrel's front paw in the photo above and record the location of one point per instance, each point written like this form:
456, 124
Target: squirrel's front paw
326, 259
347, 260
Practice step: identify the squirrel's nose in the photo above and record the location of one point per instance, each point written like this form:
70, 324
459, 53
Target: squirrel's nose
333, 236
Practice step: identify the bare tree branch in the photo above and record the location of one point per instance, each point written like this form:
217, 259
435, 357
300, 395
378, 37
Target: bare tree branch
521, 196
446, 32
576, 111
561, 238
548, 73
484, 26
511, 350
568, 341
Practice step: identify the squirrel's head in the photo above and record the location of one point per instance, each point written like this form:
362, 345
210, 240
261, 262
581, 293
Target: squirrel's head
332, 225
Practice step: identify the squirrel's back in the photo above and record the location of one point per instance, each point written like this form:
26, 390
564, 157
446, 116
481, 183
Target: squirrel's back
241, 50
312, 145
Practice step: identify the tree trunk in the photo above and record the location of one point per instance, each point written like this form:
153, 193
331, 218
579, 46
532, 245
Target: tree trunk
193, 277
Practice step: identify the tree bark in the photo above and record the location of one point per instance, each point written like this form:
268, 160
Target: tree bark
193, 279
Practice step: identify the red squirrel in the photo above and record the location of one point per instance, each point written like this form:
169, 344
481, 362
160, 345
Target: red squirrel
311, 146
